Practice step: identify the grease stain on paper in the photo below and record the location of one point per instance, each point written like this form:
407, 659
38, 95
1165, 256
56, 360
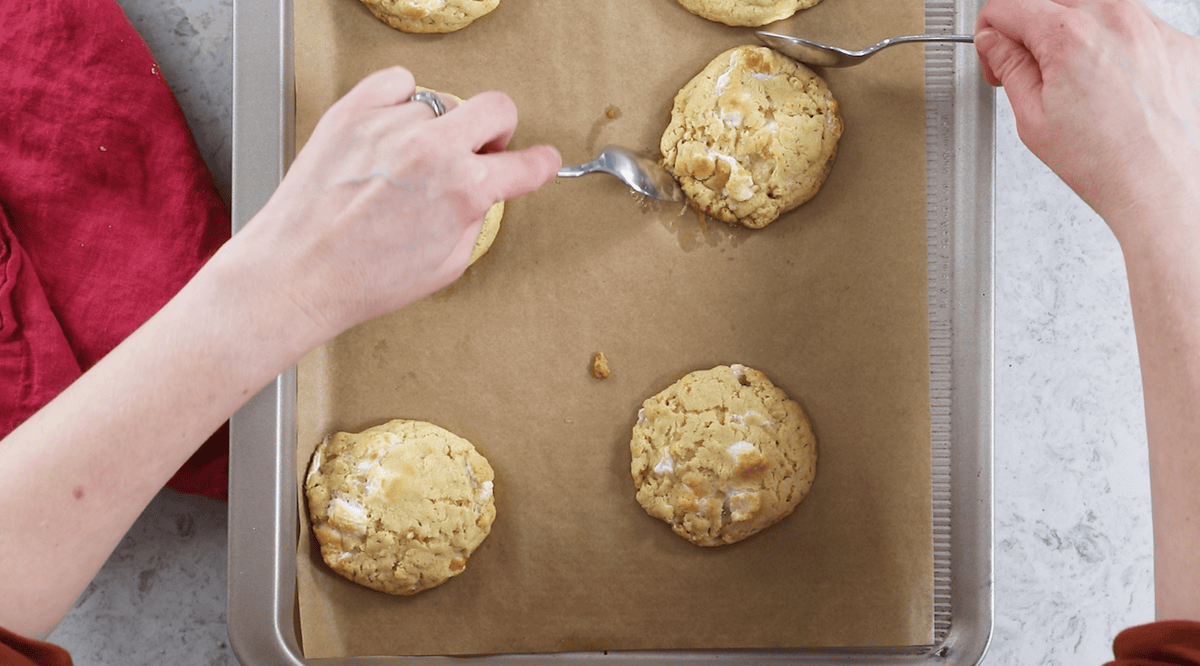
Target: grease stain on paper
691, 228
611, 113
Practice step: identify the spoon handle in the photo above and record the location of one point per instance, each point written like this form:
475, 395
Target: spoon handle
923, 38
578, 170
600, 163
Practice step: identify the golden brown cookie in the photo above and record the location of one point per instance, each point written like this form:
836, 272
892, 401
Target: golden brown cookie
722, 454
491, 220
752, 136
746, 12
399, 507
429, 15
487, 235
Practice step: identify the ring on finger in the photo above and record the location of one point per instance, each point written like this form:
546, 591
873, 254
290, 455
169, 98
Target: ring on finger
431, 99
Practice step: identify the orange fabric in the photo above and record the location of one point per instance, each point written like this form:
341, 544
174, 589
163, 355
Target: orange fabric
17, 650
1167, 643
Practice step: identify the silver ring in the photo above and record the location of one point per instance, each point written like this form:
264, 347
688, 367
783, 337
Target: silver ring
430, 98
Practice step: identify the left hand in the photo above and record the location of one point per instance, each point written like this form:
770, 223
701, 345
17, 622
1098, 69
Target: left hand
384, 203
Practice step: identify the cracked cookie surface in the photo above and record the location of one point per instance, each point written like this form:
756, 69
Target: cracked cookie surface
752, 136
429, 15
401, 506
746, 12
722, 454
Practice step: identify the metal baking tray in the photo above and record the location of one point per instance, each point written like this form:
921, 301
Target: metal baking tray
263, 521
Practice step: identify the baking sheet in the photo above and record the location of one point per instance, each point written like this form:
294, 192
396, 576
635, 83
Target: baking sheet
830, 301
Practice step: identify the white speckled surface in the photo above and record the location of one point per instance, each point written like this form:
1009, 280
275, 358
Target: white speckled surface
1073, 532
192, 39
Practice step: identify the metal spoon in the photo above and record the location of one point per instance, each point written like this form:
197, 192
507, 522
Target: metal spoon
642, 174
823, 55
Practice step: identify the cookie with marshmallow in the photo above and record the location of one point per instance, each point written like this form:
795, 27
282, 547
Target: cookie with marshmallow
399, 507
721, 455
752, 136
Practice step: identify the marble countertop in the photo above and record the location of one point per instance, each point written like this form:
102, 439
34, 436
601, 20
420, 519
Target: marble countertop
1073, 556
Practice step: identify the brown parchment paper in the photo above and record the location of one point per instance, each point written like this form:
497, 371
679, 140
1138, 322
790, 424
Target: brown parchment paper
829, 301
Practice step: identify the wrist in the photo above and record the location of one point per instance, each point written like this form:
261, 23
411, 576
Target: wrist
1160, 223
252, 315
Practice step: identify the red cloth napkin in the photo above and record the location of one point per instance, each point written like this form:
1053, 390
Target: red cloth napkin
20, 651
1174, 642
106, 207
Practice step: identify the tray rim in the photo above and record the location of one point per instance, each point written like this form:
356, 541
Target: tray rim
262, 501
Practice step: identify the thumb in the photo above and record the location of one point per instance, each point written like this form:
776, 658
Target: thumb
1006, 62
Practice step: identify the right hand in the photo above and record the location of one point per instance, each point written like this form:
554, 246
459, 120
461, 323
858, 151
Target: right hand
383, 204
1106, 94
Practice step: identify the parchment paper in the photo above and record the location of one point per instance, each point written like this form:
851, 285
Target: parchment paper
829, 301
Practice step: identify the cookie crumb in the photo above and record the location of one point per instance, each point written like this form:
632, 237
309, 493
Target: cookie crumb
600, 368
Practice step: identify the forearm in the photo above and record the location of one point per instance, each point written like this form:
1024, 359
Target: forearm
1164, 281
80, 471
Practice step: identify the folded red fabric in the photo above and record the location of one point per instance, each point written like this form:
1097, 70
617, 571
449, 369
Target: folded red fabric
106, 206
1165, 643
20, 651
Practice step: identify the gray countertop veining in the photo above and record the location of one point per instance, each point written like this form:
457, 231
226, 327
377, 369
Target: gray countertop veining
1072, 500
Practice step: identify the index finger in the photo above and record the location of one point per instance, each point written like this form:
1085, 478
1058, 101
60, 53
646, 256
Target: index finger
514, 173
484, 123
1015, 18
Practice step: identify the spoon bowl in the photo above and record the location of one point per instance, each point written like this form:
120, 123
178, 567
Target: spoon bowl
642, 174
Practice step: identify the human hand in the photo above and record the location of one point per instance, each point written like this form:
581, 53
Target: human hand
1106, 94
383, 204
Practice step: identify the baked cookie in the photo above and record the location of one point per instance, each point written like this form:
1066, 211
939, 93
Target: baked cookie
746, 12
752, 136
722, 454
491, 220
399, 507
429, 15
491, 227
